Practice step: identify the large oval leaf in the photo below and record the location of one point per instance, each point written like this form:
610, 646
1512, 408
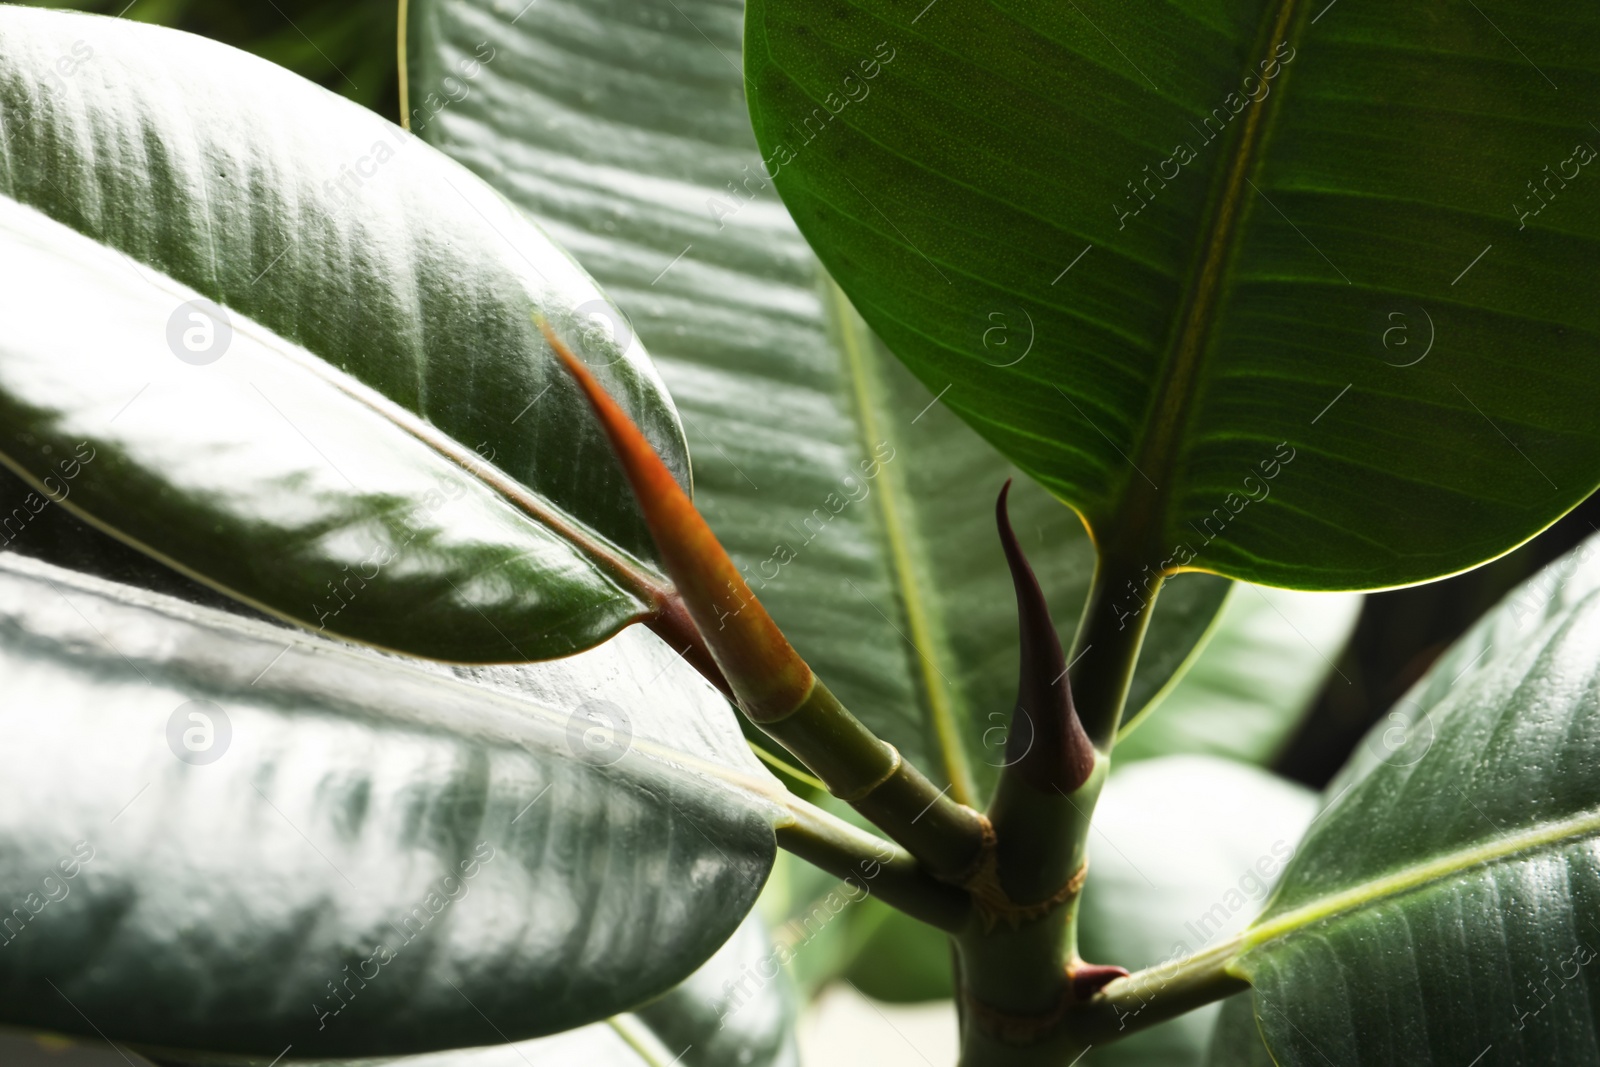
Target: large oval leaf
859, 507
395, 276
726, 1014
409, 857
1451, 887
277, 478
1286, 262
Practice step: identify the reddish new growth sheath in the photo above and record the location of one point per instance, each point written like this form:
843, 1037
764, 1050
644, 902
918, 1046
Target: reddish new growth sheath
767, 676
1047, 746
1089, 978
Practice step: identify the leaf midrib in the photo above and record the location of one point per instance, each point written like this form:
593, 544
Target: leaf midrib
1407, 879
487, 714
612, 559
907, 576
1140, 511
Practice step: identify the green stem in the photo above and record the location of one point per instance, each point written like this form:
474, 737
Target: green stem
869, 775
1156, 994
1106, 650
642, 1040
871, 864
1017, 978
1124, 1007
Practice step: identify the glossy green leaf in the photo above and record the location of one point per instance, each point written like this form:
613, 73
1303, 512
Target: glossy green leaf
723, 1015
1311, 284
1443, 908
276, 477
1182, 852
224, 835
860, 509
373, 360
1249, 685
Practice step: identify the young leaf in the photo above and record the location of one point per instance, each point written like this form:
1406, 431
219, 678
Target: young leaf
1450, 887
411, 857
856, 504
394, 280
1287, 263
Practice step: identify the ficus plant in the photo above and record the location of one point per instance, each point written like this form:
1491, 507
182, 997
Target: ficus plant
379, 686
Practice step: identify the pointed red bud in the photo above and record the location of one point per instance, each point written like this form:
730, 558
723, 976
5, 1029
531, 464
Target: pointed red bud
1047, 746
767, 676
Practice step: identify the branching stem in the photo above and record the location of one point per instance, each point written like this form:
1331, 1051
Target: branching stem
1017, 978
1157, 994
873, 865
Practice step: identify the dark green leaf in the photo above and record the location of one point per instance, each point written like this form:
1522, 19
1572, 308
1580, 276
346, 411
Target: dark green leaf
1443, 908
720, 1016
224, 835
1288, 263
396, 294
859, 507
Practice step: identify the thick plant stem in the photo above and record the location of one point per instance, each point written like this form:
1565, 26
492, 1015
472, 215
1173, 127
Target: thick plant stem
872, 865
1125, 1006
770, 682
1023, 983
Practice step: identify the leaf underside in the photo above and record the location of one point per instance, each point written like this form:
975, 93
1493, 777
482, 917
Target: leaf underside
723, 1015
1328, 338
